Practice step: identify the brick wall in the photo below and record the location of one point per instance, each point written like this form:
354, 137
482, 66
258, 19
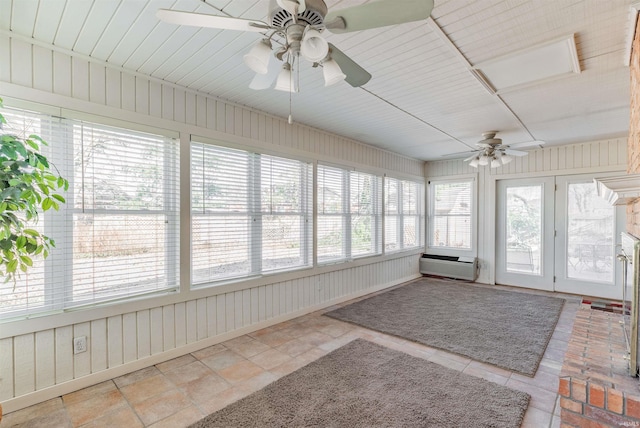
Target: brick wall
595, 387
633, 152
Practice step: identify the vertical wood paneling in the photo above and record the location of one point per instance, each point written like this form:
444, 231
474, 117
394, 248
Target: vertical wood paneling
201, 319
80, 79
45, 359
114, 341
237, 309
168, 327
64, 354
211, 114
142, 95
42, 69
268, 301
221, 325
211, 316
155, 99
276, 300
156, 327
201, 111
98, 345
221, 113
180, 322
82, 360
6, 369
128, 95
229, 119
254, 305
97, 79
229, 311
129, 337
21, 63
5, 52
179, 105
192, 322
143, 325
113, 87
167, 102
190, 114
24, 364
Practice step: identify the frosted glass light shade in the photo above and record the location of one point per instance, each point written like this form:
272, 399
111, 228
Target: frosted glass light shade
495, 163
258, 57
484, 160
285, 80
506, 159
313, 47
474, 163
332, 72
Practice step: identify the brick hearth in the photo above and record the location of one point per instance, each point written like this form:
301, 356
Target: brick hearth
595, 388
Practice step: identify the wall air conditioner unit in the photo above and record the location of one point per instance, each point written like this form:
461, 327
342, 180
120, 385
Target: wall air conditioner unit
449, 266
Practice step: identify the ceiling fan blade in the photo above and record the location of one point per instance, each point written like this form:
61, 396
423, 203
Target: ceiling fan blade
515, 152
179, 17
458, 155
264, 81
356, 75
377, 14
527, 144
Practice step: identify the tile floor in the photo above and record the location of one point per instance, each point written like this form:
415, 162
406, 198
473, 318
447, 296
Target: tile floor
178, 392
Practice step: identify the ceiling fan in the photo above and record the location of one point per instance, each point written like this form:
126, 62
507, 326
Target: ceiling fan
492, 152
296, 26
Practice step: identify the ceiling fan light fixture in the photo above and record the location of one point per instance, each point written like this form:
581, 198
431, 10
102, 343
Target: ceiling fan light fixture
483, 160
285, 80
332, 72
474, 162
506, 159
258, 57
314, 47
495, 163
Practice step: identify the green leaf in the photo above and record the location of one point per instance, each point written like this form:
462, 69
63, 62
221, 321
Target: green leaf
12, 265
59, 198
26, 260
21, 241
32, 232
47, 203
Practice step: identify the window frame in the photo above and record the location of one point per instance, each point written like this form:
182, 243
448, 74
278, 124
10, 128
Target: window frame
400, 214
255, 213
451, 251
348, 215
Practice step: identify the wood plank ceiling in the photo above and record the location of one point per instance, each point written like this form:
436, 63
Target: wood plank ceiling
422, 101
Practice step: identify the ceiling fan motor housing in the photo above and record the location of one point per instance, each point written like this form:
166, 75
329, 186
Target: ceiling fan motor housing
314, 13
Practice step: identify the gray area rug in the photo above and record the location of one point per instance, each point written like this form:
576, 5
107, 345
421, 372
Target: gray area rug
504, 328
363, 384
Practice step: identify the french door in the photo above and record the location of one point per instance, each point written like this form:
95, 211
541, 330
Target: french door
557, 234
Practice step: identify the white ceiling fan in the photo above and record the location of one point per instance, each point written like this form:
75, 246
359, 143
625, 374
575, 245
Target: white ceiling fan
297, 26
492, 152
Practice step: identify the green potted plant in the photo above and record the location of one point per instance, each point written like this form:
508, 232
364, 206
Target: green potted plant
27, 187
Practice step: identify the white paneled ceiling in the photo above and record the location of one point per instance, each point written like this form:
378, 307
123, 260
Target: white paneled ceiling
422, 101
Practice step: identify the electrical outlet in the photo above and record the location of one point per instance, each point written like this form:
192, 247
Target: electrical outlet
79, 344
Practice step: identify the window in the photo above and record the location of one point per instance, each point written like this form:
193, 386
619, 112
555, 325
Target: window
117, 235
403, 214
450, 214
349, 214
250, 213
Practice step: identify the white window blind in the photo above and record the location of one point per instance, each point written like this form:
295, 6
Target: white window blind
450, 214
349, 214
117, 235
404, 214
251, 213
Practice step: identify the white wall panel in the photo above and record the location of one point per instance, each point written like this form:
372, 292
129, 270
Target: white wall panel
45, 359
82, 360
6, 369
64, 353
98, 336
24, 363
114, 341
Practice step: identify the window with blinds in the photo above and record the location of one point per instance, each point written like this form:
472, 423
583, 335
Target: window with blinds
404, 214
349, 214
450, 214
117, 235
251, 213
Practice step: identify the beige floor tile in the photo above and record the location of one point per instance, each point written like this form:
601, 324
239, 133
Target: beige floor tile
38, 419
485, 374
316, 338
222, 360
209, 351
294, 347
247, 348
82, 412
270, 359
32, 412
161, 406
146, 388
240, 371
536, 418
122, 417
222, 399
288, 367
274, 338
187, 373
183, 418
541, 399
175, 363
136, 376
448, 360
90, 392
200, 390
